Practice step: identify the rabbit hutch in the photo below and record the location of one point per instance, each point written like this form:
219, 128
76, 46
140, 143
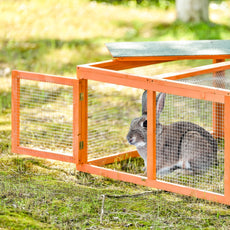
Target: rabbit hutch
85, 120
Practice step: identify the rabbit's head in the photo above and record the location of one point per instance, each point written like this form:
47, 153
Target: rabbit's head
137, 134
138, 129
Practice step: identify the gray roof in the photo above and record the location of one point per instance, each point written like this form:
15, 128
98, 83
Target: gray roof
169, 48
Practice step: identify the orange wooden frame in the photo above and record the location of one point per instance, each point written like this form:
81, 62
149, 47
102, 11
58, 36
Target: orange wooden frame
16, 148
106, 72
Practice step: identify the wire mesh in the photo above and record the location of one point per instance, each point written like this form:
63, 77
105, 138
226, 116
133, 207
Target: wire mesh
188, 150
46, 116
166, 67
110, 109
219, 79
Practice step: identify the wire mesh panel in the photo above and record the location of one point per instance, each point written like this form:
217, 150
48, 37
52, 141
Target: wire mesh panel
187, 153
166, 67
187, 133
43, 115
110, 110
46, 116
219, 79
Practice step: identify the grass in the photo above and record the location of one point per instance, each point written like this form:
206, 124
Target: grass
53, 37
43, 194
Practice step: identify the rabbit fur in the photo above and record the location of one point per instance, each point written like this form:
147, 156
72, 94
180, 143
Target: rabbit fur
180, 145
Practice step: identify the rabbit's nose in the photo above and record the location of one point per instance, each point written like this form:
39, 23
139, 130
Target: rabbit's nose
131, 139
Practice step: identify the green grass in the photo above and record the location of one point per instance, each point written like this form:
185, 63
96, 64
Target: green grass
53, 37
41, 194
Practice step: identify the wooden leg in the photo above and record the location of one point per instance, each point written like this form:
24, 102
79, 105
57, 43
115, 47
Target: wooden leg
151, 135
82, 122
227, 148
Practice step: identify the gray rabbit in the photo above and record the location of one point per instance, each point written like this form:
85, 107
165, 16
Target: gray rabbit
180, 145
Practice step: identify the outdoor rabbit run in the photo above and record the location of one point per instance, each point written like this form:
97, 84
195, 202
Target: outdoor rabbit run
135, 118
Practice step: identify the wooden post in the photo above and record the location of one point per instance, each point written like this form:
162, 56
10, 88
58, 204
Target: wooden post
75, 119
15, 111
151, 135
82, 122
227, 149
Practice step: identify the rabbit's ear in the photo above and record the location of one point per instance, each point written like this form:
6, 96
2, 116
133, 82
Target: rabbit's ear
160, 102
144, 103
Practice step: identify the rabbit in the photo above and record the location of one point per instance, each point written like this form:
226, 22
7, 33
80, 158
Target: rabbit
180, 145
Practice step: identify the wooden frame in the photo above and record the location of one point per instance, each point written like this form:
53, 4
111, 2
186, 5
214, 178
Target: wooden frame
104, 72
107, 72
16, 148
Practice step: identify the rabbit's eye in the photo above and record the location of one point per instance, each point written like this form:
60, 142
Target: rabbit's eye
145, 124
